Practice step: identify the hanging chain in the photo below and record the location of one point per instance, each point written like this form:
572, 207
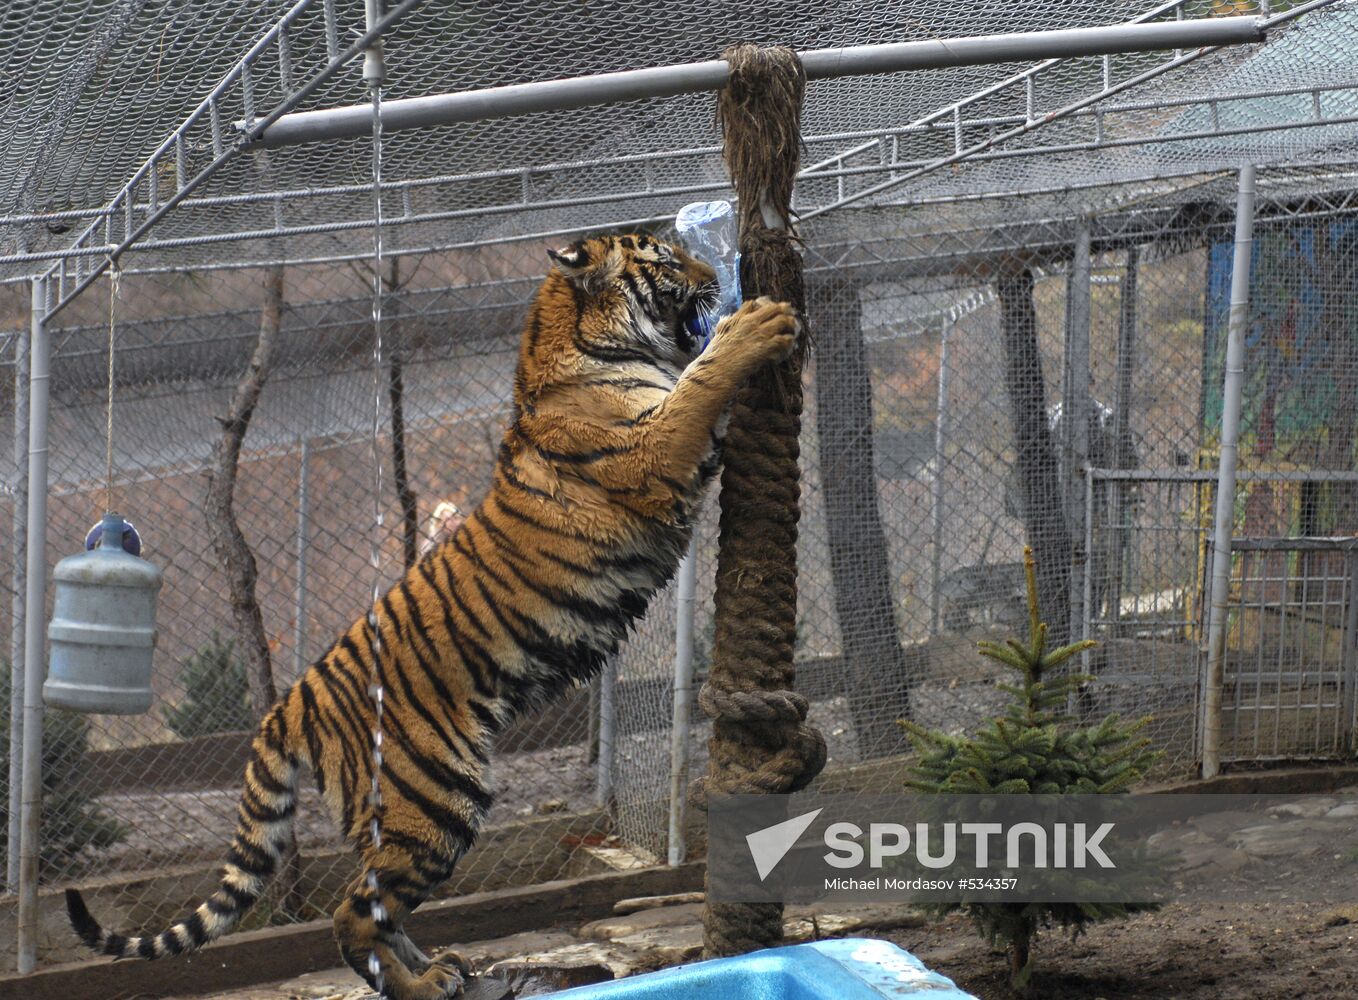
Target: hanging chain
375, 687
114, 291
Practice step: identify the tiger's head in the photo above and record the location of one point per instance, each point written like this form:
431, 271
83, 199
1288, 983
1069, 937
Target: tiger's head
634, 295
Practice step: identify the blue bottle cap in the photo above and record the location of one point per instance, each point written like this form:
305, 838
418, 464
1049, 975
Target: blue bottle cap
106, 530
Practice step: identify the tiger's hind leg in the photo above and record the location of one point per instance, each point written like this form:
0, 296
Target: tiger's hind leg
368, 926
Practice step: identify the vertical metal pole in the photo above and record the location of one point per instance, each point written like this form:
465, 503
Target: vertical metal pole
1122, 428
1087, 581
299, 629
1348, 709
685, 591
35, 615
19, 573
1075, 413
1231, 394
936, 515
608, 720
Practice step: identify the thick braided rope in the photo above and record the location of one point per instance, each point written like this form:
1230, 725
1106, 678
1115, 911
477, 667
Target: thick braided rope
760, 740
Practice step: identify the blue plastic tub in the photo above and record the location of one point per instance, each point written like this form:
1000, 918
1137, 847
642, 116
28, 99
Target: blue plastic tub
847, 969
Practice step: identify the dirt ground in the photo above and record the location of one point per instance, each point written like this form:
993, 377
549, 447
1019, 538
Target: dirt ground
1182, 952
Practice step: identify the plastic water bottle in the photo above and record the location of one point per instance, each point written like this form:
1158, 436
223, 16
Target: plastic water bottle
707, 230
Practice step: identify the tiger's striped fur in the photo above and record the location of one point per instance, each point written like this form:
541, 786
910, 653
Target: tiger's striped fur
615, 431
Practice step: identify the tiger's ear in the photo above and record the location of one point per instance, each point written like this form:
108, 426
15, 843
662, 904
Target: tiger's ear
570, 259
582, 268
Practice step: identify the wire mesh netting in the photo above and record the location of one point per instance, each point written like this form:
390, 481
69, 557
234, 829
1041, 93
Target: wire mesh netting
1018, 285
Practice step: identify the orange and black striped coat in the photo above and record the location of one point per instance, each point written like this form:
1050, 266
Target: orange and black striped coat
616, 428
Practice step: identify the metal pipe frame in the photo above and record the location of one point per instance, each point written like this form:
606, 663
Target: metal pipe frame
821, 168
668, 81
172, 150
934, 121
686, 587
414, 250
19, 574
1232, 393
1075, 410
950, 115
918, 168
300, 613
608, 734
971, 152
30, 846
1271, 211
1119, 511
937, 513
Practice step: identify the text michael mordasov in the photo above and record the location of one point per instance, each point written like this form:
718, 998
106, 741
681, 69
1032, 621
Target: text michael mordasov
882, 882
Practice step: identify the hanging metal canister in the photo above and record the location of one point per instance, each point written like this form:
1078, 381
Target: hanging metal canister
103, 628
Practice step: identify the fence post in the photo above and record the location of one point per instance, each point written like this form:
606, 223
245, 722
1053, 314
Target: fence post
937, 512
608, 722
1232, 391
1348, 709
299, 628
685, 592
35, 605
18, 574
1122, 431
1075, 411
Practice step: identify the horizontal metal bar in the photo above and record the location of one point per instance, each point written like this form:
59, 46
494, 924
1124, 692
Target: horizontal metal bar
1244, 475
1339, 544
668, 81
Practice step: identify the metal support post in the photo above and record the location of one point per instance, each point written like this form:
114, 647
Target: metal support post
1076, 410
1231, 395
299, 627
18, 575
1120, 492
608, 729
937, 514
35, 616
685, 591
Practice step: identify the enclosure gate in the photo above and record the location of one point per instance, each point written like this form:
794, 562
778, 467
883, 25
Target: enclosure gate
1291, 667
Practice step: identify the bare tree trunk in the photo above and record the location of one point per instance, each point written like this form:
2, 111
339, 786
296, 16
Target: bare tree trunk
1038, 473
877, 672
238, 562
410, 515
228, 542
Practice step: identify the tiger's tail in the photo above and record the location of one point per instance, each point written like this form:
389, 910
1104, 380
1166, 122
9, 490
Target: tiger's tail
268, 804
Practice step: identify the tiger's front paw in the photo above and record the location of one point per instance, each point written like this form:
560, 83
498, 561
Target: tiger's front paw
761, 331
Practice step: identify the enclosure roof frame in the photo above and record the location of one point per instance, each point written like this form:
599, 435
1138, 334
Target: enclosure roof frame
1208, 34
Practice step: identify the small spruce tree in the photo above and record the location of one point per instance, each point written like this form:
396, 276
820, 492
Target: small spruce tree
216, 692
72, 821
1033, 749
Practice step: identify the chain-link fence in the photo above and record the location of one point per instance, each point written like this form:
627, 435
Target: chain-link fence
1018, 284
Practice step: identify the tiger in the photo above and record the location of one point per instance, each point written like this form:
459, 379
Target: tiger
617, 420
